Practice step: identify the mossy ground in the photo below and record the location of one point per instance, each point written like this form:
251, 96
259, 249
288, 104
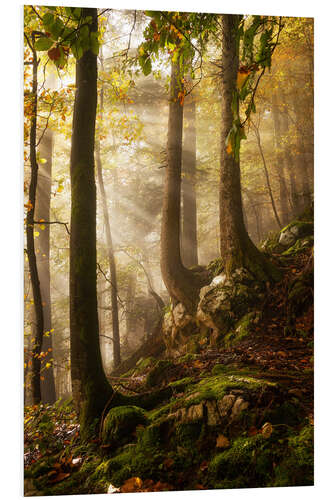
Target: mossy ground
260, 373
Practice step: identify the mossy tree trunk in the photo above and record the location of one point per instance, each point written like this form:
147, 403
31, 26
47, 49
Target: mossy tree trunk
189, 238
43, 200
237, 249
91, 390
178, 280
31, 252
109, 244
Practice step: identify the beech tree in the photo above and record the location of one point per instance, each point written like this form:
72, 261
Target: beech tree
189, 220
237, 249
109, 243
90, 387
42, 213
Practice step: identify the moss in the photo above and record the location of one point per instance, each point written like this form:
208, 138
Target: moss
240, 456
182, 382
242, 329
121, 422
215, 267
215, 387
157, 373
188, 358
299, 246
305, 228
144, 363
296, 468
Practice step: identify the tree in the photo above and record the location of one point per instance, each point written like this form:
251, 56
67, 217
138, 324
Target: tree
42, 213
178, 280
163, 31
90, 387
30, 221
189, 227
111, 258
237, 250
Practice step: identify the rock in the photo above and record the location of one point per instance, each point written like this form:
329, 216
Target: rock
213, 417
195, 412
224, 405
121, 422
180, 316
287, 238
238, 407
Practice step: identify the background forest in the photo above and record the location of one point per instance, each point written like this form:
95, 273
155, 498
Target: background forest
189, 200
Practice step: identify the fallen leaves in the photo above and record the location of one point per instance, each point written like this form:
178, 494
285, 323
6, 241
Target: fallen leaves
222, 441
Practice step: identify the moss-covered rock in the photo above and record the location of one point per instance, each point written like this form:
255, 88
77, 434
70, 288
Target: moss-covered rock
296, 468
120, 424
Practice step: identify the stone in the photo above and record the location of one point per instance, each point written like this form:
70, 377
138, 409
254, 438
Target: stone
213, 417
287, 238
225, 404
195, 412
180, 316
238, 407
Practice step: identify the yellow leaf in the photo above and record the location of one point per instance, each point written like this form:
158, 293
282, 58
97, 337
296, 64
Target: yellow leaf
60, 188
36, 234
42, 227
229, 147
241, 78
48, 365
131, 484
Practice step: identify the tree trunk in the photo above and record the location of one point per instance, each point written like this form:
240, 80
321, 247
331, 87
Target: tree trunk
189, 234
130, 298
38, 306
279, 168
91, 390
43, 261
268, 182
111, 258
178, 280
237, 250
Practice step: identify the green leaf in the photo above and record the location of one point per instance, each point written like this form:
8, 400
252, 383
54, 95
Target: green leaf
43, 43
48, 19
57, 28
146, 68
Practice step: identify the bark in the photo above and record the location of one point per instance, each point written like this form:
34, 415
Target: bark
31, 253
42, 211
91, 390
237, 250
130, 298
189, 228
111, 257
279, 168
268, 182
179, 281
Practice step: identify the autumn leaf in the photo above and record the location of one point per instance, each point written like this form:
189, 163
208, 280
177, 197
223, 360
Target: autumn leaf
131, 485
222, 441
229, 147
242, 75
54, 54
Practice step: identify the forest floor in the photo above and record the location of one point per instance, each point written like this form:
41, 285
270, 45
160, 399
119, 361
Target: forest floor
194, 440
